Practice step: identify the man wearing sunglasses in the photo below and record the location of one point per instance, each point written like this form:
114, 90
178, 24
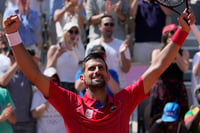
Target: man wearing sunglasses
118, 55
119, 10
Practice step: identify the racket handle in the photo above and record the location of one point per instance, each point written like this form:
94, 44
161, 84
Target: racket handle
196, 32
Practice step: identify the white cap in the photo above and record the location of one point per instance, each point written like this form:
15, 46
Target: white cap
69, 25
49, 72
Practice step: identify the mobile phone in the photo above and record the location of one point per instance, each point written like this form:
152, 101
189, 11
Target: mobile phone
61, 44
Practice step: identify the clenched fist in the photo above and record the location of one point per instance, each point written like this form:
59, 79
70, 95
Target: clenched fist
11, 24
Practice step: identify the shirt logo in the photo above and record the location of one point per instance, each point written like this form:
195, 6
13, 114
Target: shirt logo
113, 108
88, 113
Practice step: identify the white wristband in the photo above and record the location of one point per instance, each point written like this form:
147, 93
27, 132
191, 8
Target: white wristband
14, 39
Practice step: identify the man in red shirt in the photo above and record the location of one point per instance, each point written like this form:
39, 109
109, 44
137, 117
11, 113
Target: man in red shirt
96, 112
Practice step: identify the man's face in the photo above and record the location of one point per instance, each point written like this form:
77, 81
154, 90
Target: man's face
95, 75
106, 27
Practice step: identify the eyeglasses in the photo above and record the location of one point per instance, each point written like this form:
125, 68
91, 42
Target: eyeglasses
4, 49
109, 24
74, 32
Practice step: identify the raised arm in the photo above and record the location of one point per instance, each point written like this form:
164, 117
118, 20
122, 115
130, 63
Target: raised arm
23, 58
167, 55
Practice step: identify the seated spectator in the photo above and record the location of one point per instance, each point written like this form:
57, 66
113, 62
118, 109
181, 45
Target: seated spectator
192, 117
170, 121
113, 85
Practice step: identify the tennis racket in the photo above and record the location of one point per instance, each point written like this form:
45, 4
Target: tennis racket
171, 4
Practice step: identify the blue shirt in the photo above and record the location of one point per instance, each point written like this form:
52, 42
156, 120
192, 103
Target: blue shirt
55, 4
29, 27
112, 72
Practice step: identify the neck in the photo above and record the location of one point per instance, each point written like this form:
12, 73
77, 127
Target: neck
106, 40
98, 94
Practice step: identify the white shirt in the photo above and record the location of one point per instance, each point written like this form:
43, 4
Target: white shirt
50, 121
4, 64
68, 64
195, 79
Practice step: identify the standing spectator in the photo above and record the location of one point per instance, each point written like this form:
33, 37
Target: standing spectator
195, 79
96, 111
119, 10
113, 85
118, 55
20, 89
69, 13
150, 18
5, 60
170, 86
48, 119
69, 49
192, 117
7, 115
30, 24
170, 121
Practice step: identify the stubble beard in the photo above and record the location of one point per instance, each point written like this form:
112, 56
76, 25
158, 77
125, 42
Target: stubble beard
97, 84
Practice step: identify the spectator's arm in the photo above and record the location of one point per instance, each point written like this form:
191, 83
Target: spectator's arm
166, 10
194, 122
80, 17
197, 68
59, 13
133, 9
183, 61
52, 55
7, 76
125, 63
39, 110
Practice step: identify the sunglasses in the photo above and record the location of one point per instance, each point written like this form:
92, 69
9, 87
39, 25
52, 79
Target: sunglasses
74, 32
109, 24
172, 31
4, 49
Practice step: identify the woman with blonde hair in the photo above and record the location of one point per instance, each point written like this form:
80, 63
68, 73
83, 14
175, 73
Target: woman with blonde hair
69, 49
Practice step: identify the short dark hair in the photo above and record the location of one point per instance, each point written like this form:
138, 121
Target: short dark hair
105, 16
92, 56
